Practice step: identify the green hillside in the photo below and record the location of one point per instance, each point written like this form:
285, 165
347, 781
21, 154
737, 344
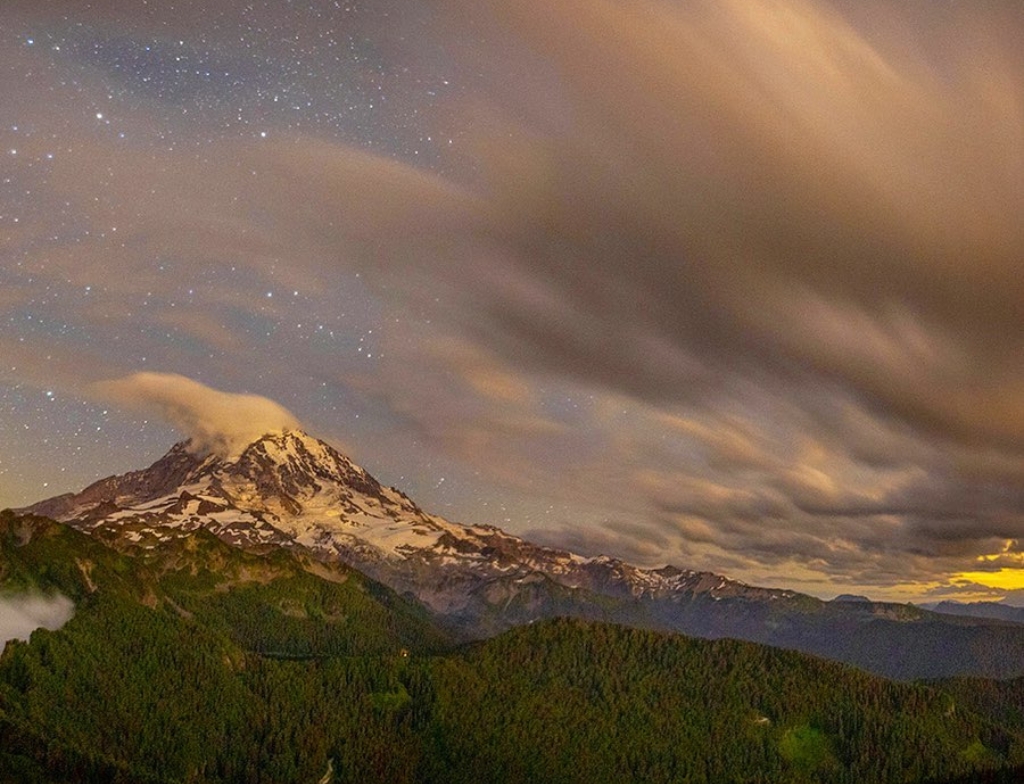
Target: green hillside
196, 662
594, 702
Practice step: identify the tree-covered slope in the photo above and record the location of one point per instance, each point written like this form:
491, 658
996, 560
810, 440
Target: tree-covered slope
568, 701
278, 603
999, 700
195, 662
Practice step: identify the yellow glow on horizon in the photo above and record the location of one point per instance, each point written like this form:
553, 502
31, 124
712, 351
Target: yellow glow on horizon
1008, 579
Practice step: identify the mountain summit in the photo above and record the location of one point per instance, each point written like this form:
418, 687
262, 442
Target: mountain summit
290, 490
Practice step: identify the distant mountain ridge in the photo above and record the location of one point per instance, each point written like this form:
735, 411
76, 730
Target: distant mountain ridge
293, 491
993, 610
850, 597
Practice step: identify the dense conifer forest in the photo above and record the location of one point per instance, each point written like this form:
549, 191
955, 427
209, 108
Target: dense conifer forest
196, 662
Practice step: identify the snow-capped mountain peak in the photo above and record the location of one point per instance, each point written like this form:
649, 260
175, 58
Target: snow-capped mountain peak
293, 490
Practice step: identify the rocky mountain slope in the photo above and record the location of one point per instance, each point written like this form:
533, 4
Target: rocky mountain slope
294, 491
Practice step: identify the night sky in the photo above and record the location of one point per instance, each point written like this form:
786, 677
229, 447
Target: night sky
732, 284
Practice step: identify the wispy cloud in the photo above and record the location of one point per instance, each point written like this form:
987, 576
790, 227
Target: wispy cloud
20, 615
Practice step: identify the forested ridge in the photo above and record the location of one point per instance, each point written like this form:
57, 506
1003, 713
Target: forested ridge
196, 662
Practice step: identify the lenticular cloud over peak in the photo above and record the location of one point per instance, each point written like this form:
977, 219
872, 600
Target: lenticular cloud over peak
217, 422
